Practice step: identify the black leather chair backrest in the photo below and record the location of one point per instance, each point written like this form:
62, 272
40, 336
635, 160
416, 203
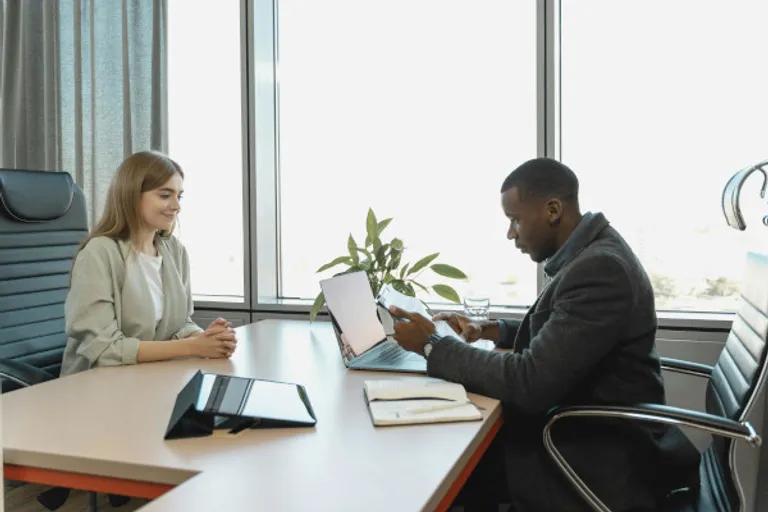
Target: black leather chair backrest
738, 376
42, 222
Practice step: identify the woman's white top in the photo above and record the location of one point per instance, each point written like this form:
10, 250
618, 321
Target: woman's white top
150, 267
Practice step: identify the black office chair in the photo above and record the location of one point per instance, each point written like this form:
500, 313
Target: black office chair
735, 381
42, 222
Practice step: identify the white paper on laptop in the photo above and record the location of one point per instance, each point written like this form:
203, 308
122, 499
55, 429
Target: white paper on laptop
388, 296
350, 300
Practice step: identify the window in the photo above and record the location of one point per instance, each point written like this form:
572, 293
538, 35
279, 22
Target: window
418, 109
661, 103
205, 138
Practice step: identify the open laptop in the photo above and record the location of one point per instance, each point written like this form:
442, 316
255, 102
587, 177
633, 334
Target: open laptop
363, 342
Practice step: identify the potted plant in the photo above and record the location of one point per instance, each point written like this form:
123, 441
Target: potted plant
382, 263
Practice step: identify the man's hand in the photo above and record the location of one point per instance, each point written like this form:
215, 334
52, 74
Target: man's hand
469, 330
411, 335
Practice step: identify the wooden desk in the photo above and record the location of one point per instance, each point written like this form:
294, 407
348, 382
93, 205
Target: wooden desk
103, 430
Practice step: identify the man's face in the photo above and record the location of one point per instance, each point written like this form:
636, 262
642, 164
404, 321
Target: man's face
529, 226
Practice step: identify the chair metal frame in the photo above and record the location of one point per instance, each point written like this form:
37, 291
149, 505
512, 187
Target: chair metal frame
711, 423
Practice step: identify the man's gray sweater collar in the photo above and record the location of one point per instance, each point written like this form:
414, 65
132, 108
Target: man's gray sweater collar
590, 225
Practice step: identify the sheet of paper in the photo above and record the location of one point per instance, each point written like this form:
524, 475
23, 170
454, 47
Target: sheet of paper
388, 296
351, 301
443, 328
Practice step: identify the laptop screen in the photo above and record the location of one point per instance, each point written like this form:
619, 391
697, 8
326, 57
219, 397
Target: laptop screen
350, 300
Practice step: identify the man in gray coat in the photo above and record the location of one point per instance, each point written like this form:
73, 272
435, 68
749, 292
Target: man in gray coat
588, 339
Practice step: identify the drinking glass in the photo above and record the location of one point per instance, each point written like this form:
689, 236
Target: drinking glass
477, 308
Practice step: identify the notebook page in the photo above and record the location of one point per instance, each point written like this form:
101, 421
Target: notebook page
395, 389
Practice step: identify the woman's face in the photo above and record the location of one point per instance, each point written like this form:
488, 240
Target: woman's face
159, 207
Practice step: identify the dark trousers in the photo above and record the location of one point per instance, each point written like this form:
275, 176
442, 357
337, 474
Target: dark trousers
530, 484
486, 488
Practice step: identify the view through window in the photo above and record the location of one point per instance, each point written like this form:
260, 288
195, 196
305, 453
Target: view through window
205, 138
661, 103
415, 108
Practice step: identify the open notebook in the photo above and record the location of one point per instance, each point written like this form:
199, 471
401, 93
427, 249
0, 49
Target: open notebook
422, 400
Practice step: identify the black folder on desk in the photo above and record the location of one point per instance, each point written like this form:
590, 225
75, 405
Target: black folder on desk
211, 401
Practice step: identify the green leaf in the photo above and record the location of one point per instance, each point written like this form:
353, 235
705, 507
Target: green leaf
403, 287
448, 271
419, 285
352, 247
398, 285
375, 284
404, 270
382, 225
397, 244
319, 303
340, 259
446, 292
423, 262
381, 255
371, 226
394, 262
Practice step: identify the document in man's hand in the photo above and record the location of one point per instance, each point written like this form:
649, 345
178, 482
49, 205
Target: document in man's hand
413, 401
388, 296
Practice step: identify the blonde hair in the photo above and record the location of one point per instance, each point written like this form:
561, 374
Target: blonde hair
140, 172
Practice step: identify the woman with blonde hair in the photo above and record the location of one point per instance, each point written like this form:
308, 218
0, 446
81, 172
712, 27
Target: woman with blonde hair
130, 299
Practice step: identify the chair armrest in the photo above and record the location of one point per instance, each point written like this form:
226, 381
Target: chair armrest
682, 366
669, 415
658, 413
21, 374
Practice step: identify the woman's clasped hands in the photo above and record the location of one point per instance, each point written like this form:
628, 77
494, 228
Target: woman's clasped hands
217, 341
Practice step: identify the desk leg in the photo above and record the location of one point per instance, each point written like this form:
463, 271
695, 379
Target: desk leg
70, 480
455, 488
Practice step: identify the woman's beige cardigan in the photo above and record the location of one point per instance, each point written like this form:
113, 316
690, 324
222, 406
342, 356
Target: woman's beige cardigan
109, 308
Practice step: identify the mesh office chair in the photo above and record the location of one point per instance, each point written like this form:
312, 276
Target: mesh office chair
736, 380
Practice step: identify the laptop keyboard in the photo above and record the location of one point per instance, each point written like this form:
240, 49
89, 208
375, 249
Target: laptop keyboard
389, 356
391, 353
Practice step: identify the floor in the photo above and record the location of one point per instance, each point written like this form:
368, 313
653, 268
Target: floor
23, 498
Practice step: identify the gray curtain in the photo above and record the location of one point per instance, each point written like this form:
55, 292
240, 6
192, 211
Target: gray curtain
82, 86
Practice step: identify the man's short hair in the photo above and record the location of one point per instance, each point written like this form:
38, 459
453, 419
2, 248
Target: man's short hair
543, 177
